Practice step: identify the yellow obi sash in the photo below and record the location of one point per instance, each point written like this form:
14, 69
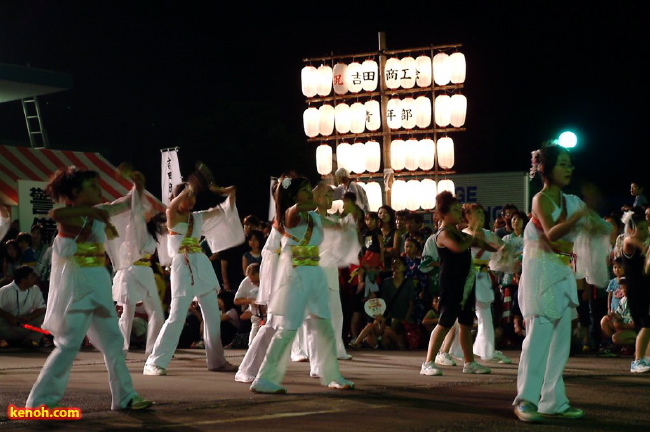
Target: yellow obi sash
190, 245
90, 255
305, 255
564, 251
481, 265
145, 261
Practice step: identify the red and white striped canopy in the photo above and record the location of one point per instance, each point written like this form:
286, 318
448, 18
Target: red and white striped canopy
38, 164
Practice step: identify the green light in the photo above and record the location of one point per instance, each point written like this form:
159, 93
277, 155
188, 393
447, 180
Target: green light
568, 139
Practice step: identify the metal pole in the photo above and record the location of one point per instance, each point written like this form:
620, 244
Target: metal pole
387, 136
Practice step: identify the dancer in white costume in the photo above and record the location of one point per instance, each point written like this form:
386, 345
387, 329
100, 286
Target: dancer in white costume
192, 275
301, 289
134, 280
80, 300
547, 289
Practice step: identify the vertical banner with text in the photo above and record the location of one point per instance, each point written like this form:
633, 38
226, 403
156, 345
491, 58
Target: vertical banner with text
171, 173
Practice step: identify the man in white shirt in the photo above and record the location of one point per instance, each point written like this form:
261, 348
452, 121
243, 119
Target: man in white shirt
246, 296
21, 302
346, 184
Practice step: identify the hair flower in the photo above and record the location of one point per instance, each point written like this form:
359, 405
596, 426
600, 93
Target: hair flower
286, 182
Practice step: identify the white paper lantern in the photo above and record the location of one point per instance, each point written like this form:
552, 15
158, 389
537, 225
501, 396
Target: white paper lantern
458, 110
309, 81
357, 117
358, 162
426, 153
373, 156
337, 207
445, 153
326, 119
428, 192
394, 113
340, 78
324, 87
458, 68
413, 195
442, 110
342, 118
397, 154
373, 192
370, 71
441, 69
373, 115
423, 112
398, 195
324, 159
355, 77
411, 154
446, 185
310, 121
409, 73
408, 113
344, 156
423, 67
392, 71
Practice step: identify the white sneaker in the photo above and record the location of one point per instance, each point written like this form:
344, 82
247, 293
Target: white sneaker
346, 357
475, 368
242, 377
639, 366
500, 358
341, 384
445, 359
152, 369
429, 369
299, 358
261, 385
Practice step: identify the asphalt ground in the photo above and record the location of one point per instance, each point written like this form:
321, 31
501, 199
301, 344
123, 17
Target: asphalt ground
390, 395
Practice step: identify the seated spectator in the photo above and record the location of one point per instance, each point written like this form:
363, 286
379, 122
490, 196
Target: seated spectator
10, 261
43, 253
388, 329
27, 253
614, 292
246, 295
255, 241
21, 302
430, 320
421, 295
618, 326
508, 211
230, 322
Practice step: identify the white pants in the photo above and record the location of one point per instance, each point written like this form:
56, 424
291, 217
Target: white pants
252, 361
170, 333
484, 345
544, 355
156, 317
105, 335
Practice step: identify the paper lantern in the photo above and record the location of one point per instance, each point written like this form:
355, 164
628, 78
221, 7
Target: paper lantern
357, 117
397, 154
446, 185
423, 112
373, 156
374, 194
340, 78
337, 207
370, 71
408, 113
398, 195
411, 154
310, 121
457, 67
458, 110
392, 71
326, 119
426, 154
342, 118
358, 161
324, 86
373, 115
423, 69
409, 72
445, 152
428, 192
442, 110
441, 69
324, 159
309, 81
355, 77
394, 113
344, 156
413, 195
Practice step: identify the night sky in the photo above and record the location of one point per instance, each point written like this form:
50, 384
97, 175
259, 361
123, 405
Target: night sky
222, 81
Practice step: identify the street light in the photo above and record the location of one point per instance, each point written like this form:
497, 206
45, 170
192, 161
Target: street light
568, 139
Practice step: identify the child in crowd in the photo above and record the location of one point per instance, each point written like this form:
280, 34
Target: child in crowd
618, 325
421, 295
27, 254
10, 262
255, 239
430, 320
614, 292
372, 252
246, 296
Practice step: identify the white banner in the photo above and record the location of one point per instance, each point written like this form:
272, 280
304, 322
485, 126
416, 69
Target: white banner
171, 174
34, 205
